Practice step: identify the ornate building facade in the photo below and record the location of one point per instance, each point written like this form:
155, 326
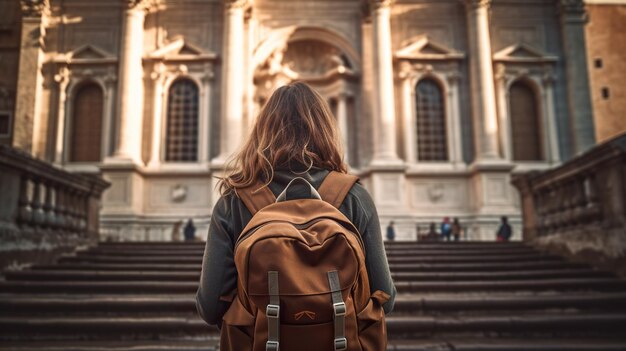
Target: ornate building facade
439, 103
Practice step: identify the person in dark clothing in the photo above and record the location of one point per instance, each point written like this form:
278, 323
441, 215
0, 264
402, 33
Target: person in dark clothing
190, 230
295, 135
446, 229
456, 229
505, 231
432, 234
391, 232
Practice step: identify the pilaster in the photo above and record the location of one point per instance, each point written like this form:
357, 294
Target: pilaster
30, 82
573, 20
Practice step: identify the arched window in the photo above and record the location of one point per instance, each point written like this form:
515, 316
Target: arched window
432, 142
86, 124
182, 122
525, 127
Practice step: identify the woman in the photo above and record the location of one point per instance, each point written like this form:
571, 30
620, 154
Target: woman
294, 136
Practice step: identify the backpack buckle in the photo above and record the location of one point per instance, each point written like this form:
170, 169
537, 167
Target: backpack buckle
340, 309
341, 344
272, 311
271, 346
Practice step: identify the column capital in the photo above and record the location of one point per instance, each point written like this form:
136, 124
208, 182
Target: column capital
477, 4
237, 4
145, 5
380, 4
573, 10
572, 6
35, 8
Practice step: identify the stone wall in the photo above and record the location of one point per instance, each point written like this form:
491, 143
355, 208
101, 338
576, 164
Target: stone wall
579, 209
606, 50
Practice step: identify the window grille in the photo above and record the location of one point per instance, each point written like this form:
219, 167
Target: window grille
432, 142
182, 122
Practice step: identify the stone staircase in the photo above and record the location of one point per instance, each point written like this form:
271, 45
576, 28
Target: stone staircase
452, 296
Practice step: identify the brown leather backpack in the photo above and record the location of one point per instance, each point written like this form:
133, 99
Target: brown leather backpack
302, 282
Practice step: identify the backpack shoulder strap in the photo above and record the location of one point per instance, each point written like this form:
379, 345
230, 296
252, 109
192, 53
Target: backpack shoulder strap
336, 186
256, 196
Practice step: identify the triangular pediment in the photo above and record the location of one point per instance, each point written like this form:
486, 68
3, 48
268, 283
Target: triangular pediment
181, 49
424, 48
89, 52
521, 52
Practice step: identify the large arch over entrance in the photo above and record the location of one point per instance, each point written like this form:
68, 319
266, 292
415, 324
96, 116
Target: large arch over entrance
320, 57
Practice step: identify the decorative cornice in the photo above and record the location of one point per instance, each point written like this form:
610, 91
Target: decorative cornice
35, 8
237, 4
380, 4
146, 5
477, 4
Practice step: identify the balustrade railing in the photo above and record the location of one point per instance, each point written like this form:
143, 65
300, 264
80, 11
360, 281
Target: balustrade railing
579, 206
44, 210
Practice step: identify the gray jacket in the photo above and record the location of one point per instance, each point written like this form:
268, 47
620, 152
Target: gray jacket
230, 216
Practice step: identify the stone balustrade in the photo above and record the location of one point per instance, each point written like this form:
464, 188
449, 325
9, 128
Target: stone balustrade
579, 208
44, 210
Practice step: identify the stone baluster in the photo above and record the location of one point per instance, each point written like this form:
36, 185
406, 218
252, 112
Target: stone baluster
36, 205
59, 207
24, 212
48, 207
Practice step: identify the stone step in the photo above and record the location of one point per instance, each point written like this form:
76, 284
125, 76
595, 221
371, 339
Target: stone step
194, 276
179, 287
485, 267
475, 259
397, 326
508, 344
583, 284
410, 259
131, 252
464, 303
431, 344
396, 267
185, 304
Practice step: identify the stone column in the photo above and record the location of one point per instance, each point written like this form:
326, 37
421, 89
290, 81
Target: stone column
29, 84
483, 95
62, 79
233, 83
573, 20
342, 122
454, 121
110, 81
383, 93
503, 111
158, 77
552, 135
130, 81
410, 131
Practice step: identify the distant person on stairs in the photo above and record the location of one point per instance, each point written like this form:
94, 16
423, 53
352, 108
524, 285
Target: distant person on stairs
505, 231
456, 229
446, 229
190, 231
293, 156
391, 232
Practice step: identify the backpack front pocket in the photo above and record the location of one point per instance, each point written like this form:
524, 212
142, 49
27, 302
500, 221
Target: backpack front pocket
237, 328
371, 322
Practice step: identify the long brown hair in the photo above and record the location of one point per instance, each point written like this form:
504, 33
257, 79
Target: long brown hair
295, 126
